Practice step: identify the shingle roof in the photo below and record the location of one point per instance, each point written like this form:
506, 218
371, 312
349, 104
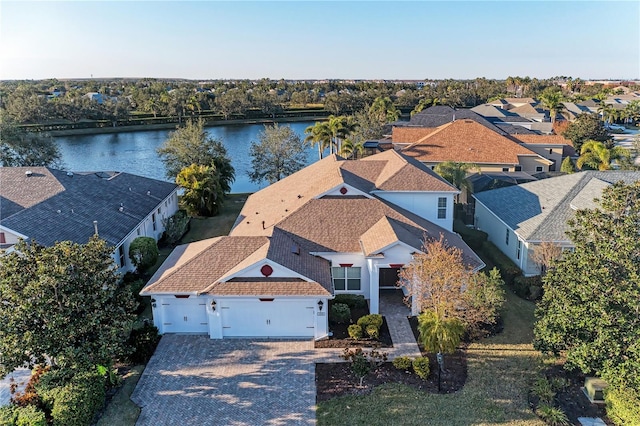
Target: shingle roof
539, 211
439, 115
409, 134
469, 142
514, 129
51, 206
544, 139
204, 267
363, 225
388, 171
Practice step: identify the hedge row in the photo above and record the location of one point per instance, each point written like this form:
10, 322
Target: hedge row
508, 269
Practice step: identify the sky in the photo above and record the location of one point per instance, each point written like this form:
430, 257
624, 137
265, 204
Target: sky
319, 40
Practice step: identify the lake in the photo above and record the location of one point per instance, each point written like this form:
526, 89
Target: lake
135, 152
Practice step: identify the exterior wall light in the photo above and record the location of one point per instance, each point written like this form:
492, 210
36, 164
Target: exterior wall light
320, 305
153, 302
213, 305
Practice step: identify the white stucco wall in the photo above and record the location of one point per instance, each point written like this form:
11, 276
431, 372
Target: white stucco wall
497, 230
424, 204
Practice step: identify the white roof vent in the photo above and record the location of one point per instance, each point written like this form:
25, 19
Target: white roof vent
28, 173
70, 174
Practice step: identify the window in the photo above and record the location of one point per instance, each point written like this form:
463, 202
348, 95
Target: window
505, 169
442, 208
518, 168
346, 279
3, 239
538, 168
153, 220
518, 249
506, 239
121, 255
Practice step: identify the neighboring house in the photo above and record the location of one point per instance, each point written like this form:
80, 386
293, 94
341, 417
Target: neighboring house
531, 112
96, 97
518, 218
48, 205
571, 111
552, 147
511, 103
336, 226
467, 141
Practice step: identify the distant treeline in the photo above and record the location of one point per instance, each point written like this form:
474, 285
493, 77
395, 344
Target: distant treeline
76, 104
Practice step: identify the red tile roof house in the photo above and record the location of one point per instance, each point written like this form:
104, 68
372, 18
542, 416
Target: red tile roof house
337, 226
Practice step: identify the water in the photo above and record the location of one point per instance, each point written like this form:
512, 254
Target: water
135, 152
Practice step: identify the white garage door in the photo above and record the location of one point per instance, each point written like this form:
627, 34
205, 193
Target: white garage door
185, 315
268, 318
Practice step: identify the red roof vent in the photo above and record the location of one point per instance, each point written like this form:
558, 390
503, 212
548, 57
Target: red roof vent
343, 190
266, 270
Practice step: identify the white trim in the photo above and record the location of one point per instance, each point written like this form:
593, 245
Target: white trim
349, 189
16, 233
266, 261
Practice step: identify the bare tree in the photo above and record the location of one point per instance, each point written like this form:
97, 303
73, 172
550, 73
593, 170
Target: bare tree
544, 253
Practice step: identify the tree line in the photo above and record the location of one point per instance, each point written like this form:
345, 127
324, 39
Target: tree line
117, 100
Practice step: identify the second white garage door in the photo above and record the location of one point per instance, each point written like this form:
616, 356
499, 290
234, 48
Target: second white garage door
267, 318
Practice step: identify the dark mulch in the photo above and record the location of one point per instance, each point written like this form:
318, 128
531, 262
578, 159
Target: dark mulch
572, 399
341, 339
336, 379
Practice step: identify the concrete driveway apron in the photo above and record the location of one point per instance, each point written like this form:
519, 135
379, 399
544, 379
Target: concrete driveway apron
193, 380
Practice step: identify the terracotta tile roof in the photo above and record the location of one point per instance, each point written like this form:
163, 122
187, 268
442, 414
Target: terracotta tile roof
544, 139
388, 171
193, 267
469, 142
410, 134
269, 287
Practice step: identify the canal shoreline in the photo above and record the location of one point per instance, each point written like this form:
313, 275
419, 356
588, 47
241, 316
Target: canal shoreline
171, 126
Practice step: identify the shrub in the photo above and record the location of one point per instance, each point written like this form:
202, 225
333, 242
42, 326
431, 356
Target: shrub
340, 313
552, 416
371, 319
623, 405
143, 252
543, 389
29, 416
373, 331
355, 331
143, 342
528, 287
135, 287
354, 301
175, 227
508, 269
363, 362
54, 378
421, 367
472, 237
402, 363
30, 395
8, 415
76, 403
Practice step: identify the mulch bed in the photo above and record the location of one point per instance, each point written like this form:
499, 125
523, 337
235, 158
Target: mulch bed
341, 339
485, 330
336, 379
572, 399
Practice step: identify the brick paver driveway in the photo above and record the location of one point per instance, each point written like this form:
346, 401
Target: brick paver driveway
193, 380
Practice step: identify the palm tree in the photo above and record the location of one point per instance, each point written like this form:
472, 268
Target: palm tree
552, 100
439, 334
351, 149
341, 127
456, 174
319, 134
608, 112
632, 111
597, 156
384, 110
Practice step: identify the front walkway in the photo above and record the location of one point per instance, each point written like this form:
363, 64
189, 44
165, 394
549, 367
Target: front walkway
194, 380
394, 310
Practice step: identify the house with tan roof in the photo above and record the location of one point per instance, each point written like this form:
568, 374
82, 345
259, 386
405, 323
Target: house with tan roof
336, 226
468, 141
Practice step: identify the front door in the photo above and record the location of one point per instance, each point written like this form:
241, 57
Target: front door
388, 277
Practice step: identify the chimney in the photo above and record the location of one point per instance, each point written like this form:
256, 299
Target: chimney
95, 227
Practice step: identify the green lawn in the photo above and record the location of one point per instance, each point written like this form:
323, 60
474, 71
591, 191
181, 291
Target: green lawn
499, 371
121, 410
